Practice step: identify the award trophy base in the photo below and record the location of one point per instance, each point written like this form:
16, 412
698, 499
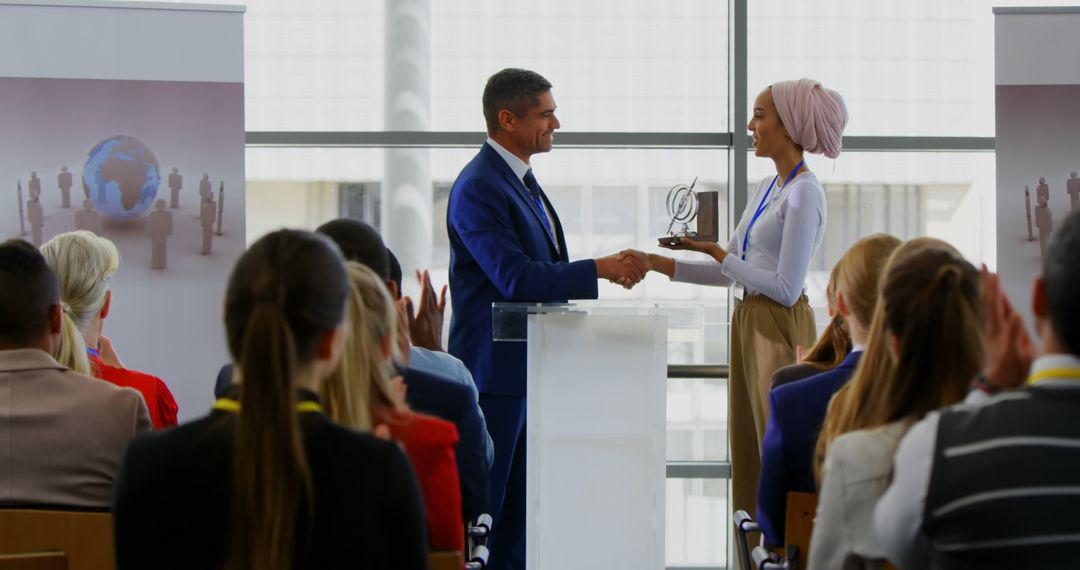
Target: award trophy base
674, 240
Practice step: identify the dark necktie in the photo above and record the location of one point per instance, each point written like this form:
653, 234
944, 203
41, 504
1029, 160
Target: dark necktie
534, 190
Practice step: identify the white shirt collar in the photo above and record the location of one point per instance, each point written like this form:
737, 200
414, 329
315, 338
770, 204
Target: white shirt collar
858, 348
515, 163
1052, 361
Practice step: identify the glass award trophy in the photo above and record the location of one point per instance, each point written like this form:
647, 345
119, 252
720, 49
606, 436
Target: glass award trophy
684, 205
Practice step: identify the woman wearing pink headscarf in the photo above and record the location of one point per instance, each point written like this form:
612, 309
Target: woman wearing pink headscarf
767, 259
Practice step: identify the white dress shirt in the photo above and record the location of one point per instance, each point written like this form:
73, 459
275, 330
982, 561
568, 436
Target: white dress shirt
898, 517
784, 239
520, 168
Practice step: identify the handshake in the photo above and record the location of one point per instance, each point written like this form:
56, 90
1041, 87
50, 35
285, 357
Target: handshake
626, 268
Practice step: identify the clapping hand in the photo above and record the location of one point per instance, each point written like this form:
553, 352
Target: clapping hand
1009, 350
425, 327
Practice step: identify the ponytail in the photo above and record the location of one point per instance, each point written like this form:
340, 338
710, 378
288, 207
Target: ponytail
361, 381
831, 347
271, 475
72, 351
84, 264
929, 298
286, 293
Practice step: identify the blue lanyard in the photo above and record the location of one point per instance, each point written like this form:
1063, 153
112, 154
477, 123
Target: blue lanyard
761, 207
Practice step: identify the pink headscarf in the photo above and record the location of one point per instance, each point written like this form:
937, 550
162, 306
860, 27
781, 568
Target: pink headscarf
814, 116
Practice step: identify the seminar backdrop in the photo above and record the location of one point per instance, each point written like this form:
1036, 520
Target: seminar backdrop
121, 94
1037, 77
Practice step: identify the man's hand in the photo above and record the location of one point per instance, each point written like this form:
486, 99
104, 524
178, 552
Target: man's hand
425, 327
625, 270
1009, 350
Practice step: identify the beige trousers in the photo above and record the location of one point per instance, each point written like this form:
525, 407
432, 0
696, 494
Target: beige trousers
764, 335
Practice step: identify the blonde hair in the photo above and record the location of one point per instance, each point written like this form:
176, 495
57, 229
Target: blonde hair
362, 378
929, 298
835, 341
857, 277
84, 264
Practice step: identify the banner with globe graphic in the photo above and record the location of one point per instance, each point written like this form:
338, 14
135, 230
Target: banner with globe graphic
137, 137
1037, 147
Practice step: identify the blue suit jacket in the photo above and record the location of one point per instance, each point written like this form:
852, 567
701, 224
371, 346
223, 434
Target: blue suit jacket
500, 252
796, 414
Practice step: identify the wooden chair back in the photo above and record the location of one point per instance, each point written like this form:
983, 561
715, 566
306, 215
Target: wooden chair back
446, 560
53, 560
799, 522
85, 538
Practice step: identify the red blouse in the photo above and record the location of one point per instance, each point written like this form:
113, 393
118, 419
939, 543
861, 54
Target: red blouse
429, 442
159, 400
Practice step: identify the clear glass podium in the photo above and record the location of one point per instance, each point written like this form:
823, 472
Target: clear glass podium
595, 432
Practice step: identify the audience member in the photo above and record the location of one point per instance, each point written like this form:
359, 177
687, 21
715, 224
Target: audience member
266, 481
928, 327
432, 361
428, 393
797, 409
63, 432
360, 394
84, 263
426, 323
992, 483
831, 348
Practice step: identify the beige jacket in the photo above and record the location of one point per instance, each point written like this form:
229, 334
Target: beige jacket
855, 475
62, 434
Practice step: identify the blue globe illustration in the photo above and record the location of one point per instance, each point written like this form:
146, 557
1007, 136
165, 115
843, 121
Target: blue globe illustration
121, 176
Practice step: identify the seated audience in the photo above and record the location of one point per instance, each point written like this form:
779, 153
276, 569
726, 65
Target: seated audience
924, 348
84, 263
266, 480
63, 433
429, 318
360, 394
797, 409
828, 352
428, 393
992, 483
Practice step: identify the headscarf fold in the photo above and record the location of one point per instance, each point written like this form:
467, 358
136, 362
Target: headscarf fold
814, 116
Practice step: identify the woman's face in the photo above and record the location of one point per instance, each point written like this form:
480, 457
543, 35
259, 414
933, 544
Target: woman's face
770, 136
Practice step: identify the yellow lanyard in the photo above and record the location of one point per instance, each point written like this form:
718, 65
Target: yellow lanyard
230, 405
1057, 373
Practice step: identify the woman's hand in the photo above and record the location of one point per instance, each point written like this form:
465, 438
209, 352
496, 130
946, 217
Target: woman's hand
108, 353
712, 248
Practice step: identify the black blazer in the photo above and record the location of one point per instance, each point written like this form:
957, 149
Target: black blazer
443, 398
172, 502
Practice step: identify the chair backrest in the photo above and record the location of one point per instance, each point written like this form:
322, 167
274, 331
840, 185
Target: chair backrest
53, 560
86, 538
444, 560
799, 522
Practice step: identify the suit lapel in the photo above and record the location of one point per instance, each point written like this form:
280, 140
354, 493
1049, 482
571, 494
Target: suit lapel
524, 195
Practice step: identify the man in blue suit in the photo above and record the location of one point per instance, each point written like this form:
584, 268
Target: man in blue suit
506, 244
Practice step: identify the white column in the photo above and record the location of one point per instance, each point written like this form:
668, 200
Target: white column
406, 210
